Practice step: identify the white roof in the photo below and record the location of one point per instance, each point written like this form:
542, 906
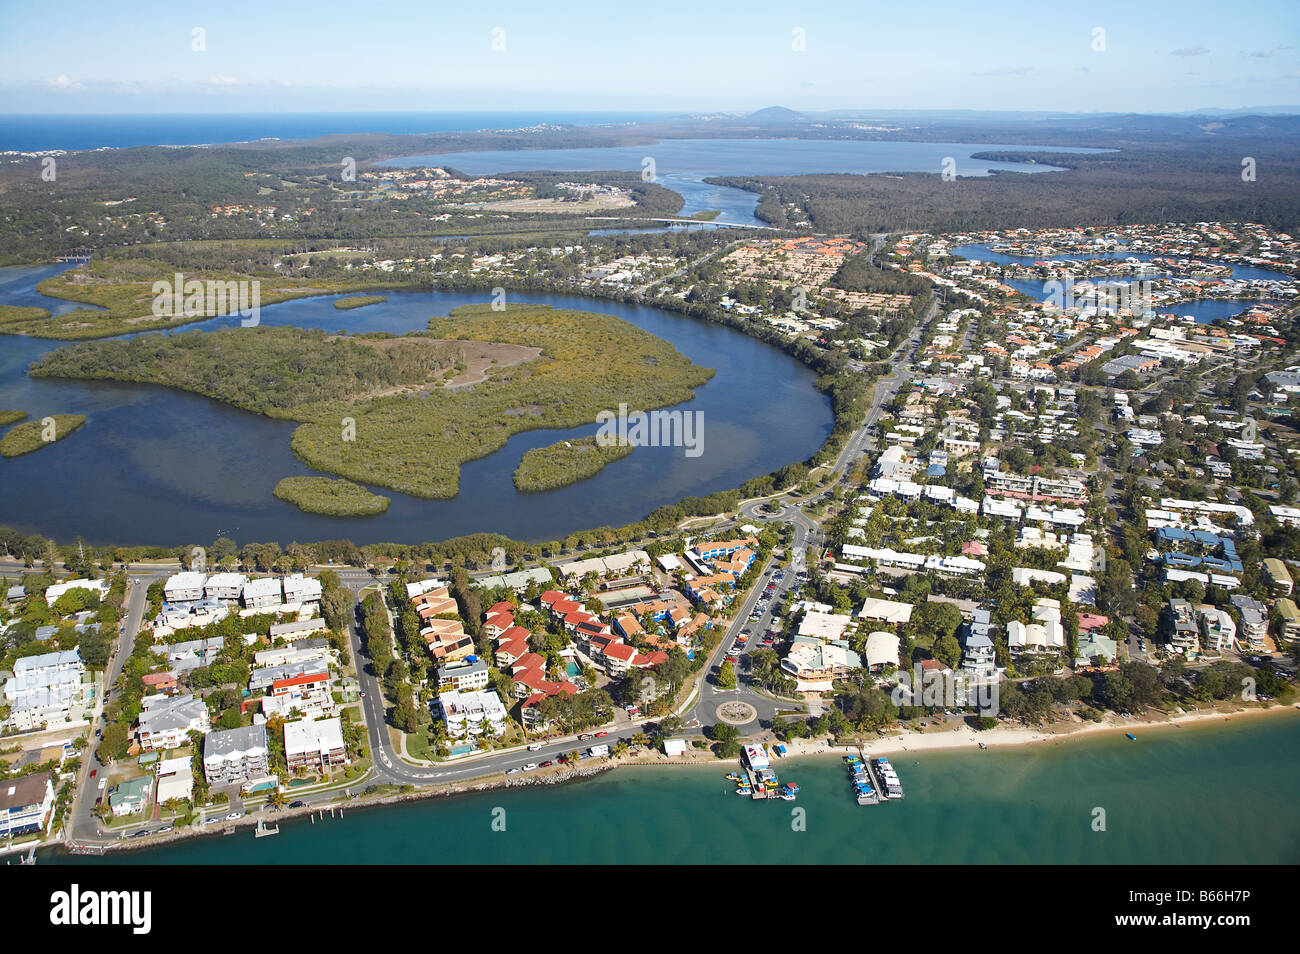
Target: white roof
309, 736
54, 591
226, 581
265, 586
190, 580
887, 611
882, 649
175, 766
824, 625
423, 586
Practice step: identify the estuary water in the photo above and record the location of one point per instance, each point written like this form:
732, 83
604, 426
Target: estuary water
683, 164
158, 466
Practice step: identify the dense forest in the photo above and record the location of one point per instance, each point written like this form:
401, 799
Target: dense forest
263, 369
1185, 181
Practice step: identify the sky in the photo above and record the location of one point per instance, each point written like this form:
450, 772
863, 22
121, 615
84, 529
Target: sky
700, 56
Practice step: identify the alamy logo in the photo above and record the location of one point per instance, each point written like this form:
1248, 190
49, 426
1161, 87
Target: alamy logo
937, 689
196, 298
75, 907
653, 429
1103, 296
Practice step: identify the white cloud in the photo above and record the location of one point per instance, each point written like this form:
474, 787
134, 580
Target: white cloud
1197, 50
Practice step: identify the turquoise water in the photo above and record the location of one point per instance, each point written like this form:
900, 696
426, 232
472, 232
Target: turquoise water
1216, 795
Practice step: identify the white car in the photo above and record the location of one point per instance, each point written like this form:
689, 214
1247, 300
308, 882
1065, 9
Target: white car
533, 747
530, 766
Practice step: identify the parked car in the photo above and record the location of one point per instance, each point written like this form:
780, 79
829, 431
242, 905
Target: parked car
298, 804
234, 816
534, 746
601, 735
548, 763
514, 771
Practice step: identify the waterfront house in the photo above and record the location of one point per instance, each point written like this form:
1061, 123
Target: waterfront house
26, 804
1253, 628
882, 650
472, 713
1290, 616
262, 594
129, 797
315, 744
226, 587
175, 780
185, 587
234, 756
1182, 629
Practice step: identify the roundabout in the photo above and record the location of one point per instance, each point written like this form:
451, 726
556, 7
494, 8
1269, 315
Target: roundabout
736, 713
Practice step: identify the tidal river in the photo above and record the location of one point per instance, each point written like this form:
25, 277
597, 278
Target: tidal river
165, 467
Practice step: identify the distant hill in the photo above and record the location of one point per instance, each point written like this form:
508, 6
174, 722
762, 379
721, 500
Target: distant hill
776, 116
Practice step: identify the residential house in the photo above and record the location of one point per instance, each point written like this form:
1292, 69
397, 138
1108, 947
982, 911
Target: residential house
43, 689
471, 713
262, 594
463, 675
235, 756
1278, 575
226, 587
130, 796
314, 744
1183, 631
307, 694
26, 804
175, 780
167, 721
185, 587
304, 590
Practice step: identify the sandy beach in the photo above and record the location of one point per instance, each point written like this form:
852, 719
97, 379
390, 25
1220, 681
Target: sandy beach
966, 737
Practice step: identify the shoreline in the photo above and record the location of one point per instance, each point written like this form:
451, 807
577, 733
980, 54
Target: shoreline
966, 737
945, 740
